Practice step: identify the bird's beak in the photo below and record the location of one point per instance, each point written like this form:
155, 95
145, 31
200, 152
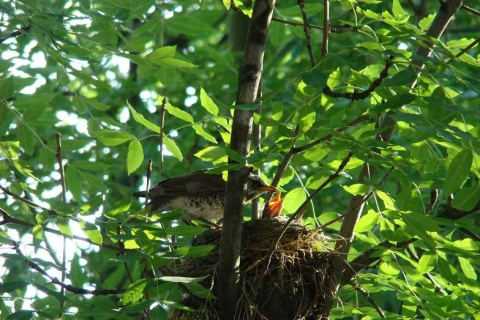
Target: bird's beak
274, 206
270, 189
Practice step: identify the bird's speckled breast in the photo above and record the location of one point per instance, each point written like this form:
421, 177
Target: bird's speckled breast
206, 207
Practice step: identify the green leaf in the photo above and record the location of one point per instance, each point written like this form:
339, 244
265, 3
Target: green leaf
213, 154
404, 77
447, 271
404, 199
420, 225
134, 156
90, 165
64, 227
293, 199
113, 138
467, 268
395, 102
191, 251
134, 292
458, 171
427, 262
120, 206
139, 118
175, 63
74, 185
178, 113
367, 221
397, 9
173, 148
27, 138
305, 117
335, 79
12, 286
466, 198
184, 230
189, 25
7, 88
21, 315
208, 103
76, 274
92, 233
315, 79
357, 189
161, 53
425, 23
203, 133
389, 268
7, 116
199, 290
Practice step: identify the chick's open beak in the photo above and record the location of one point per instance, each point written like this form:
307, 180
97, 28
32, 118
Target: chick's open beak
274, 206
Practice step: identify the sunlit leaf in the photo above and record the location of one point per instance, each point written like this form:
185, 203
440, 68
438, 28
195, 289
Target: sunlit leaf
113, 138
139, 118
427, 262
134, 292
466, 198
135, 156
458, 171
208, 103
367, 221
178, 113
173, 148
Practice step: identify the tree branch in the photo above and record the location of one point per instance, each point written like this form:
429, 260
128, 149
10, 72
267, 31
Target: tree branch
6, 218
62, 285
248, 83
364, 94
306, 30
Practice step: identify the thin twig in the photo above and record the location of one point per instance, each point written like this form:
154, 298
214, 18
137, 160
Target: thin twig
469, 9
306, 30
470, 46
339, 29
61, 168
27, 201
162, 129
9, 219
256, 137
433, 200
356, 121
370, 300
326, 27
63, 285
364, 94
414, 256
16, 33
299, 213
146, 274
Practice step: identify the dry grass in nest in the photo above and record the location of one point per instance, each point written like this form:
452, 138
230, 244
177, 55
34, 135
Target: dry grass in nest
291, 285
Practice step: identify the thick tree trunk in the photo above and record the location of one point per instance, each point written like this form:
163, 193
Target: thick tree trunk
248, 84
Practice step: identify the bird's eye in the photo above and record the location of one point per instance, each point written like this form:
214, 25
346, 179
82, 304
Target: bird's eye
256, 183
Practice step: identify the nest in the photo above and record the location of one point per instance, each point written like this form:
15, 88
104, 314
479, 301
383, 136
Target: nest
290, 283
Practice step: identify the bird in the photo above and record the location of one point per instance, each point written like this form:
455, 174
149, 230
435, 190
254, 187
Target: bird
199, 194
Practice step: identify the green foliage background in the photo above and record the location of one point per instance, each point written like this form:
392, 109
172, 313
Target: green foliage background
96, 72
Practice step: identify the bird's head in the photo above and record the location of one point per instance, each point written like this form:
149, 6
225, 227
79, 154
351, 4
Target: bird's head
256, 186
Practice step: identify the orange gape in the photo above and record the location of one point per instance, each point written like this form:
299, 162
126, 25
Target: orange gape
274, 206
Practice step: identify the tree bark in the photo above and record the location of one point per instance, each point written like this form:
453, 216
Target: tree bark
248, 83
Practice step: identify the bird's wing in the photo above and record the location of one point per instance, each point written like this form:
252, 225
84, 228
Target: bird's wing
198, 183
